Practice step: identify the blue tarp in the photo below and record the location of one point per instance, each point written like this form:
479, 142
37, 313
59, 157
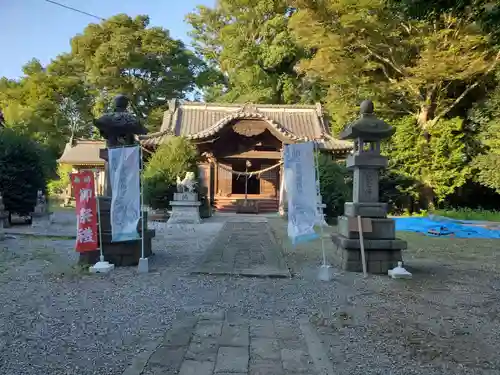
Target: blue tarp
437, 226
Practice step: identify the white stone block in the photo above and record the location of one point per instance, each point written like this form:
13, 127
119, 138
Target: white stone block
102, 267
190, 197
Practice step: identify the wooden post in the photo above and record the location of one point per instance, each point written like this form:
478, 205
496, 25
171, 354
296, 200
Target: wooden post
216, 179
362, 246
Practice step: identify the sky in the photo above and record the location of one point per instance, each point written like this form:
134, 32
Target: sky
39, 29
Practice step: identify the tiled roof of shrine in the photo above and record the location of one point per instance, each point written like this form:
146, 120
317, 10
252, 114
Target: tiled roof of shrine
82, 152
198, 121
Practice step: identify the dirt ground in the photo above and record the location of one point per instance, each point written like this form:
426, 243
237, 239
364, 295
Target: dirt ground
446, 320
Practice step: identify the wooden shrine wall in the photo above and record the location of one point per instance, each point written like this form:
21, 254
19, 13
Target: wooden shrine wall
269, 181
224, 179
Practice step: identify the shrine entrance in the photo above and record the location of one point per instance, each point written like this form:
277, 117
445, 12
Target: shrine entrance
244, 184
246, 165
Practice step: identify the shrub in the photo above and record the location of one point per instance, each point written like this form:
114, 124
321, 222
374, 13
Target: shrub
57, 186
335, 185
173, 158
399, 192
23, 170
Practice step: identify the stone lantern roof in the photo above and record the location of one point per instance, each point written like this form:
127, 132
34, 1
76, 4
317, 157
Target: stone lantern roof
368, 127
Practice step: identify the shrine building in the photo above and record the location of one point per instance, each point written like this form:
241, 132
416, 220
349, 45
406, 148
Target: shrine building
231, 138
234, 138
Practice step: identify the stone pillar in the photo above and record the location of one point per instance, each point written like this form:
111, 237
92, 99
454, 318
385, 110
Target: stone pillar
383, 249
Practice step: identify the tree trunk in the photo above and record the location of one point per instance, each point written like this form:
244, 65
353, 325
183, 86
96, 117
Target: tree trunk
424, 116
428, 197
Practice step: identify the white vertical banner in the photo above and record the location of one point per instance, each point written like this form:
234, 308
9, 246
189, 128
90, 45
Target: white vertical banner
124, 169
300, 186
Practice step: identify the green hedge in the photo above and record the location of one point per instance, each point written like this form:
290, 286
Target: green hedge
335, 185
24, 167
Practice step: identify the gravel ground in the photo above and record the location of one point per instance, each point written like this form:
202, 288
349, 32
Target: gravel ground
56, 319
444, 323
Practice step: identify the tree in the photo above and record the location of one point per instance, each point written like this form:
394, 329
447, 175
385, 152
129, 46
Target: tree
171, 159
75, 99
249, 43
485, 13
487, 163
22, 172
334, 185
49, 104
421, 68
124, 55
428, 70
58, 102
437, 166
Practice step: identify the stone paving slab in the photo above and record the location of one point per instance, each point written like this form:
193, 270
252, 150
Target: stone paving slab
244, 249
209, 344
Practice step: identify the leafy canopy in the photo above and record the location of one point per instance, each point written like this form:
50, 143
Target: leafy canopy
424, 68
487, 163
250, 44
423, 73
171, 160
124, 55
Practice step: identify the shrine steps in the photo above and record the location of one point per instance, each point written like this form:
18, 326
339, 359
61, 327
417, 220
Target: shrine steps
228, 204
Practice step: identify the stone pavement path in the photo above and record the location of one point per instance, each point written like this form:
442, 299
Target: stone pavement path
212, 344
247, 249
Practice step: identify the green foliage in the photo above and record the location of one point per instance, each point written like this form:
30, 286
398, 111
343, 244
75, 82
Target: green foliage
487, 163
55, 103
438, 165
486, 13
124, 55
250, 43
173, 158
22, 172
469, 214
50, 105
398, 191
334, 184
366, 49
58, 185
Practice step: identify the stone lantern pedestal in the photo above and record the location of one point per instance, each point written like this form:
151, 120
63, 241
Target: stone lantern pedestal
382, 248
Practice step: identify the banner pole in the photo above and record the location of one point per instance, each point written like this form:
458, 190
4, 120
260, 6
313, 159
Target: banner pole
101, 256
102, 266
141, 185
143, 266
324, 270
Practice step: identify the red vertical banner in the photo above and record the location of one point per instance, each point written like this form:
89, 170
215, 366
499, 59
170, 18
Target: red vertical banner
86, 211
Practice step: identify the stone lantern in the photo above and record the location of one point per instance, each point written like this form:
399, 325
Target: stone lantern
382, 249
